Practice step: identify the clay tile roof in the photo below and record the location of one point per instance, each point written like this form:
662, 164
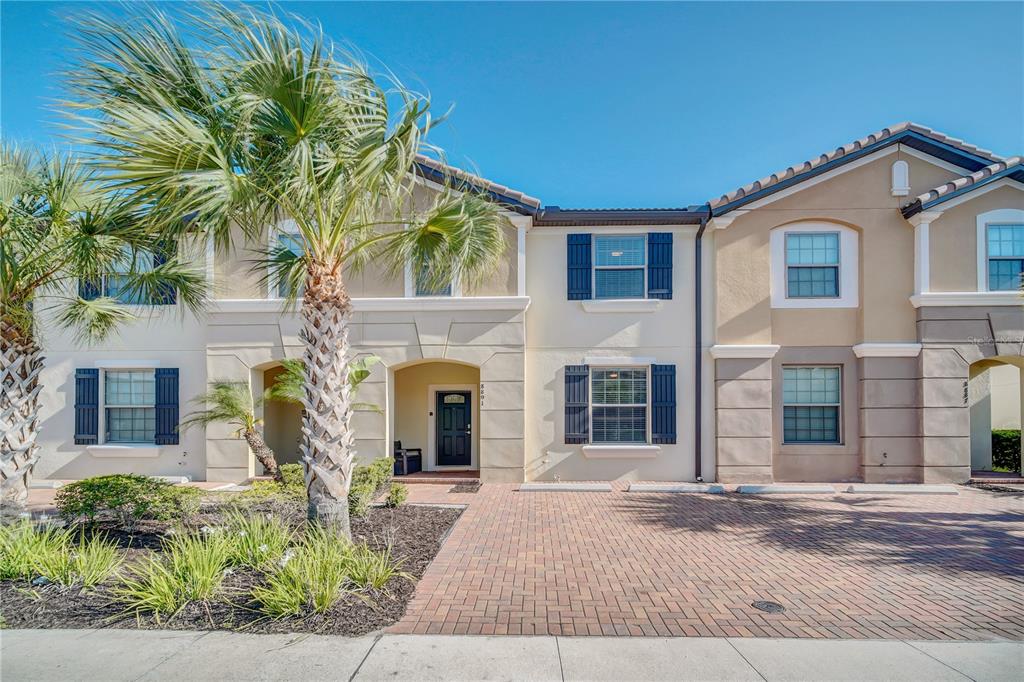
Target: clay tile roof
846, 150
981, 177
477, 182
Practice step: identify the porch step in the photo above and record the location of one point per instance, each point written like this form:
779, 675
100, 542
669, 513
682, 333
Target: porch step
1008, 479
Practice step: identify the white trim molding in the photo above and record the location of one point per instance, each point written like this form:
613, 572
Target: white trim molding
621, 305
922, 249
887, 350
996, 217
849, 266
126, 364
625, 451
376, 305
967, 298
113, 450
751, 351
617, 361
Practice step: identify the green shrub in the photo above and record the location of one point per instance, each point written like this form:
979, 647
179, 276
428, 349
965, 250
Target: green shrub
369, 568
313, 575
360, 496
88, 563
397, 495
21, 543
257, 540
293, 487
291, 475
1006, 447
367, 482
191, 568
128, 498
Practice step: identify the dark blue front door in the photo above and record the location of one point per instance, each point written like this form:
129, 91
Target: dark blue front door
454, 428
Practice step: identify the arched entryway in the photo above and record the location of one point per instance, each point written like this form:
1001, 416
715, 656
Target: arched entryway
282, 422
435, 407
996, 399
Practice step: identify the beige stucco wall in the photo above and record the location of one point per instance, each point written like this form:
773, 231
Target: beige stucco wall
561, 332
282, 423
414, 412
859, 198
953, 239
1006, 391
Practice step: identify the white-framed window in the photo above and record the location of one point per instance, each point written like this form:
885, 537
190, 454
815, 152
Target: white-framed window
129, 405
811, 404
419, 287
1005, 256
115, 283
620, 266
814, 265
284, 236
619, 405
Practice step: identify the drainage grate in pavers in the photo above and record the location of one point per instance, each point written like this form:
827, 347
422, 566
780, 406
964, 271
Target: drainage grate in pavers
768, 606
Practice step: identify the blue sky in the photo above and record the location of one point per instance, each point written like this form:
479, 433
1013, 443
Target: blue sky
652, 105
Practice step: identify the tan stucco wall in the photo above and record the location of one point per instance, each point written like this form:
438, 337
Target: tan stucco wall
953, 239
413, 411
859, 198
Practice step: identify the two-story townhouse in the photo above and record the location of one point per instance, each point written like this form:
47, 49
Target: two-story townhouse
857, 294
821, 324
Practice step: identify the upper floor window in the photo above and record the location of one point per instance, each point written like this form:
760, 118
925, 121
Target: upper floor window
812, 265
1005, 257
424, 288
117, 283
619, 405
811, 401
291, 241
620, 266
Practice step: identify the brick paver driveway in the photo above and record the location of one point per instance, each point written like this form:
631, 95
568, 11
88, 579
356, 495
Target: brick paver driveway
907, 567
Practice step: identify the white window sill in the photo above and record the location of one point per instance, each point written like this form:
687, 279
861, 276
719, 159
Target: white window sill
812, 303
621, 451
966, 298
622, 305
123, 450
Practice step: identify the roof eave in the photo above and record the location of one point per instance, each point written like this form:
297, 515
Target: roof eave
917, 206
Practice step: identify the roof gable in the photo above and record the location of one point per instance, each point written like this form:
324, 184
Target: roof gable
1012, 168
919, 137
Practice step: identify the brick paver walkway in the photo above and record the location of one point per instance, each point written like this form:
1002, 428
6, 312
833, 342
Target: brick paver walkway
848, 566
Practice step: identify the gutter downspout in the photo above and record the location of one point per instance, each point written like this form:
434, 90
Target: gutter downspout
699, 351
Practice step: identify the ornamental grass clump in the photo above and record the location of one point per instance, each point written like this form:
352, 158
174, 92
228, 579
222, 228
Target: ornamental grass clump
312, 575
369, 568
257, 540
88, 563
190, 568
21, 543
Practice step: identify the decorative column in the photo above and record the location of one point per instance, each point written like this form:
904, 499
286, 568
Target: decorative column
743, 412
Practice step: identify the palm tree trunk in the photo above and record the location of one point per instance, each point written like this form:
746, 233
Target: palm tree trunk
264, 455
328, 444
21, 362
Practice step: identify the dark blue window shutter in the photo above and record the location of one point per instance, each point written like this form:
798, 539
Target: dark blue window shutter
165, 294
663, 404
167, 406
578, 267
659, 265
89, 288
577, 404
87, 406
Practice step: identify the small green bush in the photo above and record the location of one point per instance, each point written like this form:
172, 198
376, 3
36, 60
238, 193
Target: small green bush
360, 496
1006, 447
257, 540
21, 544
367, 482
88, 563
313, 575
128, 498
291, 475
397, 495
191, 568
369, 568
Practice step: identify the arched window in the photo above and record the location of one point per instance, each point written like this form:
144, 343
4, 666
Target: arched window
900, 179
814, 265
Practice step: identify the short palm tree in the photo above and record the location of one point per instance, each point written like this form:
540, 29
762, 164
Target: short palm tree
61, 240
254, 121
233, 403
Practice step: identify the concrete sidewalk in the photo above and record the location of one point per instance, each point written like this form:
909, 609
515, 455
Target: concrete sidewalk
115, 655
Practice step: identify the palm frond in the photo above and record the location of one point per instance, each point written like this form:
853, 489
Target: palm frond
94, 319
226, 402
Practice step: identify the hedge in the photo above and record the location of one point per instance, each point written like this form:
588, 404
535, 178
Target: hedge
1006, 450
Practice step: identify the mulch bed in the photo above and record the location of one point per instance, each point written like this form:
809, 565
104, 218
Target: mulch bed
415, 533
465, 487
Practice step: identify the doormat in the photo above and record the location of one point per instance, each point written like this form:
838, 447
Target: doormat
465, 487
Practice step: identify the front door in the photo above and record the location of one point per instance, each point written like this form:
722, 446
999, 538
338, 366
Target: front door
454, 428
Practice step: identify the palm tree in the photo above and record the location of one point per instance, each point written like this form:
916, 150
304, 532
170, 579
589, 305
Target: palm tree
232, 403
254, 121
62, 240
290, 385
